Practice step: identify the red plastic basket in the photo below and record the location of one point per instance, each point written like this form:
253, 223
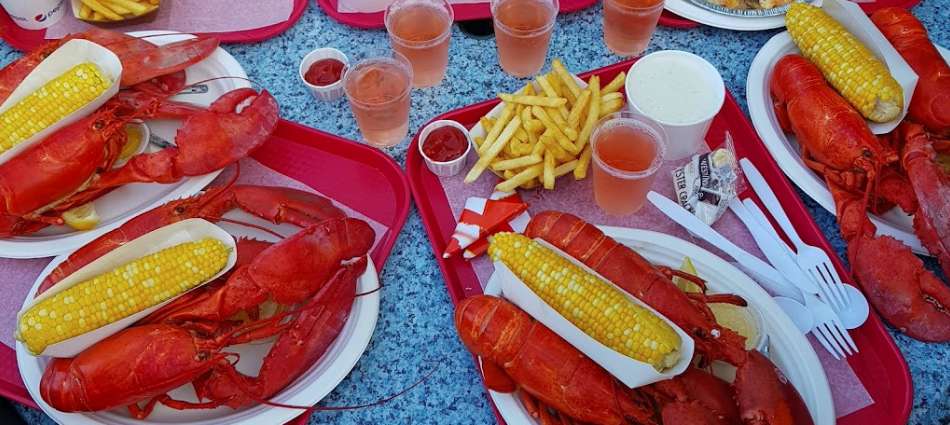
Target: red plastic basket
879, 365
25, 40
339, 168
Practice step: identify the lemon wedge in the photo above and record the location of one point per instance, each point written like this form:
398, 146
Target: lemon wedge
734, 317
683, 284
83, 217
133, 139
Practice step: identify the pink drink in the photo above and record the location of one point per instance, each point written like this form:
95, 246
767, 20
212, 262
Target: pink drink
629, 24
628, 151
378, 90
420, 30
523, 33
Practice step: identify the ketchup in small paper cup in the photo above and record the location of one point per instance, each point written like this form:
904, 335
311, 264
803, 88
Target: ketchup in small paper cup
322, 71
445, 145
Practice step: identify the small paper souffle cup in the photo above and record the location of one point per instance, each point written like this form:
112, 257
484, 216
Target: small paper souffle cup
445, 168
329, 92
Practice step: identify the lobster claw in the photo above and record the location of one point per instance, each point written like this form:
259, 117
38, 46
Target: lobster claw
207, 141
765, 395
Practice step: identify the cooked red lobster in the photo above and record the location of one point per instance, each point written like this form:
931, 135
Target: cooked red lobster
75, 165
864, 172
313, 272
551, 373
519, 353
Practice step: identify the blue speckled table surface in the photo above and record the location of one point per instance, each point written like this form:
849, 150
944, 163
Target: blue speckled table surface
415, 332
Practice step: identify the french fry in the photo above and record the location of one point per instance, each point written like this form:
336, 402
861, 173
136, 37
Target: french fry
561, 122
615, 84
548, 140
560, 88
493, 150
538, 148
497, 128
508, 174
556, 132
609, 108
487, 123
565, 168
546, 86
521, 135
593, 113
519, 162
102, 10
580, 171
528, 90
84, 11
135, 7
522, 148
548, 102
534, 125
96, 16
525, 176
610, 97
566, 77
479, 141
530, 184
117, 8
574, 119
548, 172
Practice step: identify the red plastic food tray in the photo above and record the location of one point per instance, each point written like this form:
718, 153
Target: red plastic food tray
339, 168
879, 365
468, 12
25, 40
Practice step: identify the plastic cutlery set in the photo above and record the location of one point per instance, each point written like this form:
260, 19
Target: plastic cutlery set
803, 281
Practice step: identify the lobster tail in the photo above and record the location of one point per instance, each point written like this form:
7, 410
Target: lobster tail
107, 374
635, 275
930, 105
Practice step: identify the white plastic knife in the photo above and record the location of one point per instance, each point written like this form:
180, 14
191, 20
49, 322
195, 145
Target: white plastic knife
768, 242
770, 278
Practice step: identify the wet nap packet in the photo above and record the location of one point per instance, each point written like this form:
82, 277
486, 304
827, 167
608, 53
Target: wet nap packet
706, 184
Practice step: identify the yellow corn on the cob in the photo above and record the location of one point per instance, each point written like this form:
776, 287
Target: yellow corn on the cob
846, 63
124, 291
591, 304
58, 98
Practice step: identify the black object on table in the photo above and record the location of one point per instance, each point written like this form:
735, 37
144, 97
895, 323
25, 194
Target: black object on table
479, 28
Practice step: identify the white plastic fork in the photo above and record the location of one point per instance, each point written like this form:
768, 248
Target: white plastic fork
810, 258
828, 329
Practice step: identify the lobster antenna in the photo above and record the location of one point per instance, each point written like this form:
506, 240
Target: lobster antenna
225, 77
251, 225
336, 408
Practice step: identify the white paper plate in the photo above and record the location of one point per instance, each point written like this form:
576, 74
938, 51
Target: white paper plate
307, 390
788, 348
692, 11
125, 202
784, 147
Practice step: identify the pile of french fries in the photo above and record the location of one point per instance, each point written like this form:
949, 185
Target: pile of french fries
114, 10
544, 129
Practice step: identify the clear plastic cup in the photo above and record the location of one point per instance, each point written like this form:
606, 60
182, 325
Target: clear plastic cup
378, 90
628, 149
420, 30
629, 25
523, 33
